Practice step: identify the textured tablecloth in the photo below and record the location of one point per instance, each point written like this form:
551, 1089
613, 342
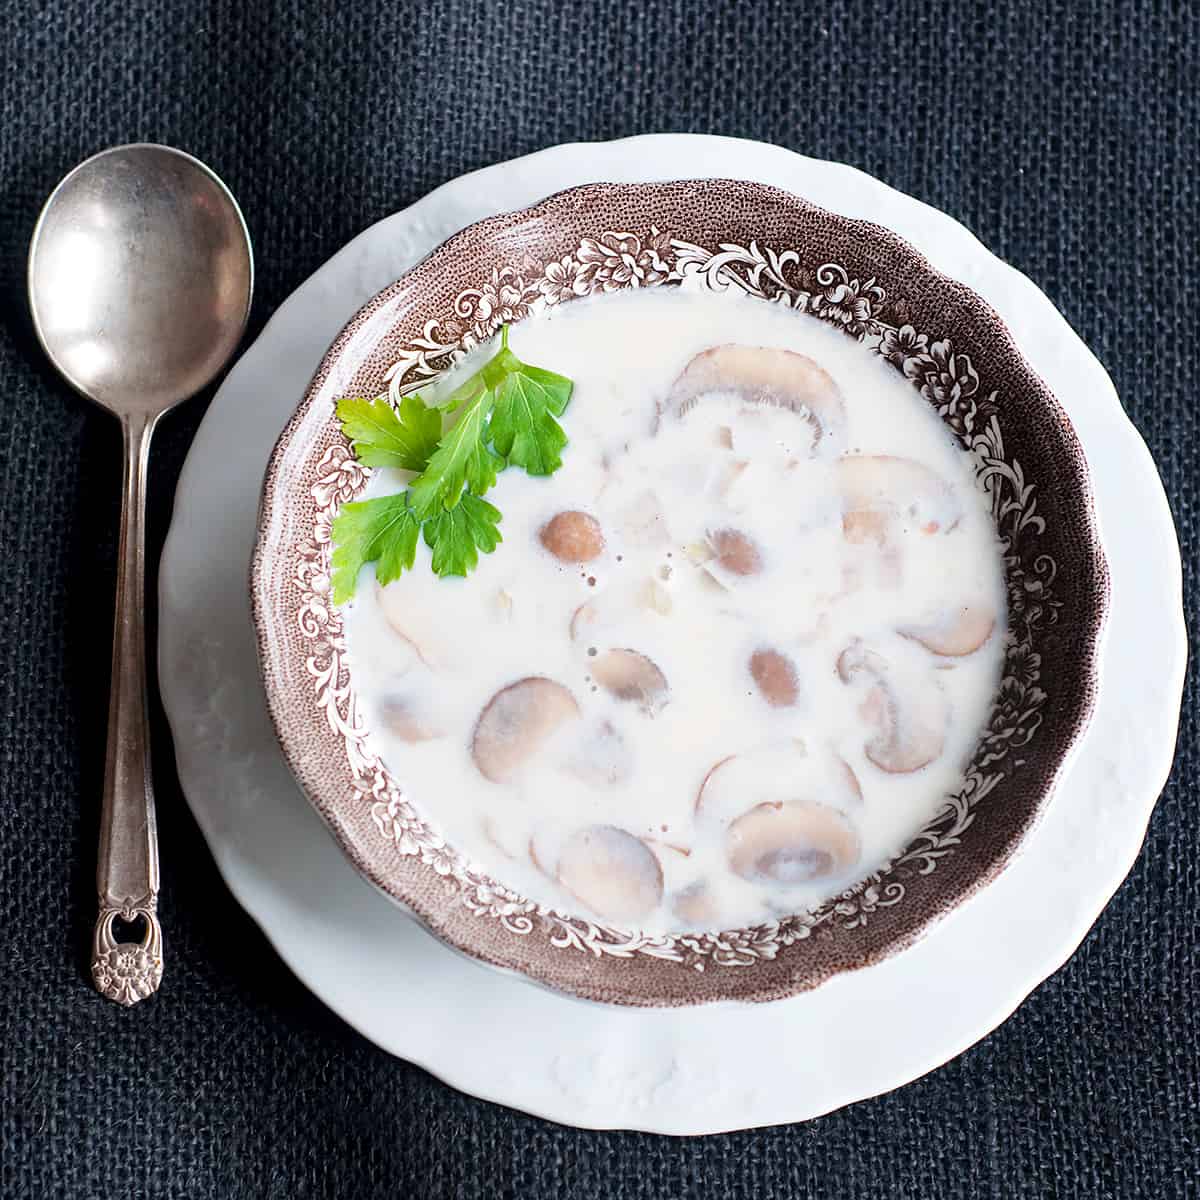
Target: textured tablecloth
1065, 137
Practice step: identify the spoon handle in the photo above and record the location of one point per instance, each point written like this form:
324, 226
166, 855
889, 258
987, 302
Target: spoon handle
127, 868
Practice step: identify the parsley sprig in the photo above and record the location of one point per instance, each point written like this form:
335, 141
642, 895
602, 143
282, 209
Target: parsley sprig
503, 415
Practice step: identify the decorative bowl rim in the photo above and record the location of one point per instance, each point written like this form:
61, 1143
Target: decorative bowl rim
836, 295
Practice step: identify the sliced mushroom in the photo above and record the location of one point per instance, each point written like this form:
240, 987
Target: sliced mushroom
775, 675
866, 525
584, 621
409, 720
783, 772
614, 873
516, 722
881, 492
573, 537
957, 632
405, 623
758, 375
704, 801
791, 844
628, 675
621, 600
602, 757
423, 611
735, 552
849, 779
909, 714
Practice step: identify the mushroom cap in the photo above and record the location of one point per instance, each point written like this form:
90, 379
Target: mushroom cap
573, 537
614, 873
775, 676
761, 375
881, 492
956, 632
516, 722
791, 844
735, 552
908, 713
631, 676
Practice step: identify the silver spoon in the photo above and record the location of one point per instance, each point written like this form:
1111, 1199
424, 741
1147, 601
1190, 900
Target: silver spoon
140, 278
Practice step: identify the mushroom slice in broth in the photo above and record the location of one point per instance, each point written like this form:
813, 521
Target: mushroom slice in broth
907, 711
791, 843
614, 873
758, 375
516, 722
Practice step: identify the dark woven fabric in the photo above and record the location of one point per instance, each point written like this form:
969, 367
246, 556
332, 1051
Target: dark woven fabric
1066, 137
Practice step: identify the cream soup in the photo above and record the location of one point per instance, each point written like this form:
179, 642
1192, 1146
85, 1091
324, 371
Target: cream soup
730, 658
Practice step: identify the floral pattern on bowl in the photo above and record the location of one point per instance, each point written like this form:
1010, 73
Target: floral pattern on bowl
777, 248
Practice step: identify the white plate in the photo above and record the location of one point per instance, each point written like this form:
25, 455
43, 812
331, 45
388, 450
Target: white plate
685, 1071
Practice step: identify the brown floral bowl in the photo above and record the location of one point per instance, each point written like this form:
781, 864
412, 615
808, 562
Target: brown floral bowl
873, 287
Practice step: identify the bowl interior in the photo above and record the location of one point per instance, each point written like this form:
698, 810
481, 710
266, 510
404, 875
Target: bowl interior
865, 282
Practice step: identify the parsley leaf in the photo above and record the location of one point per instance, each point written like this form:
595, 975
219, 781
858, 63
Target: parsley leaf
505, 415
523, 428
381, 437
462, 460
456, 535
382, 531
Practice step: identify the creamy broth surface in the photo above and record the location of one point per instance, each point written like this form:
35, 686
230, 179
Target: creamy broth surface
730, 658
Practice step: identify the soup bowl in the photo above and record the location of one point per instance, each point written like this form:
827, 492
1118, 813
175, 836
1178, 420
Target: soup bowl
869, 285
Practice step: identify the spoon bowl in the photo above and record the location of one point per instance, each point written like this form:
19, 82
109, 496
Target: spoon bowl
140, 277
140, 281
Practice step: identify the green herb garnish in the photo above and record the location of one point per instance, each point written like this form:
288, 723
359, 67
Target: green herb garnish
383, 437
506, 416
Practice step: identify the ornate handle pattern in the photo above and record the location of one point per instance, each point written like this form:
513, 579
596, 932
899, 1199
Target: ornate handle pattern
127, 971
127, 863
